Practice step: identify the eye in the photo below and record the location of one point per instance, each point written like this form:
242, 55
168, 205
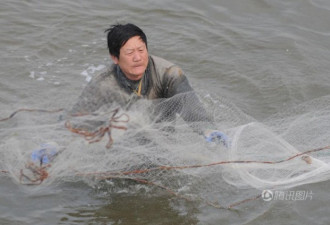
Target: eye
141, 49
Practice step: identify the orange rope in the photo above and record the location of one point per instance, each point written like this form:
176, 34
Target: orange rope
40, 173
207, 165
111, 175
97, 136
91, 137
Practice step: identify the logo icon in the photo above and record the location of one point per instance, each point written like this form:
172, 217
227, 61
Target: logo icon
267, 195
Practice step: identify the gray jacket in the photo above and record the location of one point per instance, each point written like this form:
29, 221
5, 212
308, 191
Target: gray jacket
163, 82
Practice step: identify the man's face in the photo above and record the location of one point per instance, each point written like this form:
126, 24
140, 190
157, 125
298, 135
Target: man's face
133, 58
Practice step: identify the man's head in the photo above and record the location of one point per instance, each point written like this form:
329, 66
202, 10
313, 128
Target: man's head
128, 48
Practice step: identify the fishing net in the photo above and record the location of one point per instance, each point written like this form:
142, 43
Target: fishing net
157, 145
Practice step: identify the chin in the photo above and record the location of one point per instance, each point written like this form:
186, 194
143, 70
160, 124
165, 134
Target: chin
135, 77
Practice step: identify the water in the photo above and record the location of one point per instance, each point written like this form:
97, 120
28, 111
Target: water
263, 56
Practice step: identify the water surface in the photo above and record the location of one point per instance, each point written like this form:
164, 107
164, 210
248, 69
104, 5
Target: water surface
262, 56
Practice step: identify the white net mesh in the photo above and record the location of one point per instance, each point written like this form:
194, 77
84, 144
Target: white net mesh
170, 154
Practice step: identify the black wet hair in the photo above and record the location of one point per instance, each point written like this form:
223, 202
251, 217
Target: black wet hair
119, 34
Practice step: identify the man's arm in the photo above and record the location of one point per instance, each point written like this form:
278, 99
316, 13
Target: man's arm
190, 108
89, 101
184, 101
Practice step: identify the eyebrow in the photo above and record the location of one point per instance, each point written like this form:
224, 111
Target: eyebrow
132, 49
129, 50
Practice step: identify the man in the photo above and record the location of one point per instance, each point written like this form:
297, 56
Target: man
136, 74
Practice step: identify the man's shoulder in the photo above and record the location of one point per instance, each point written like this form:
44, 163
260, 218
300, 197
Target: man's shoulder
160, 62
166, 68
106, 75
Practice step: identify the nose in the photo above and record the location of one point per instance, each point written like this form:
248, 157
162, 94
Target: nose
136, 57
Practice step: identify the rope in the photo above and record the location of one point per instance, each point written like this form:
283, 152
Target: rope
210, 164
120, 174
39, 173
97, 136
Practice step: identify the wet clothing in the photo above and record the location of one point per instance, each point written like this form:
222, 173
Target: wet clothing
162, 80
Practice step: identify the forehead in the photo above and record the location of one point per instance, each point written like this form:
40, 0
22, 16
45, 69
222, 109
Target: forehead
133, 42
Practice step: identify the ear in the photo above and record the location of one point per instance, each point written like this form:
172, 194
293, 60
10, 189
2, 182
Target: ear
114, 59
